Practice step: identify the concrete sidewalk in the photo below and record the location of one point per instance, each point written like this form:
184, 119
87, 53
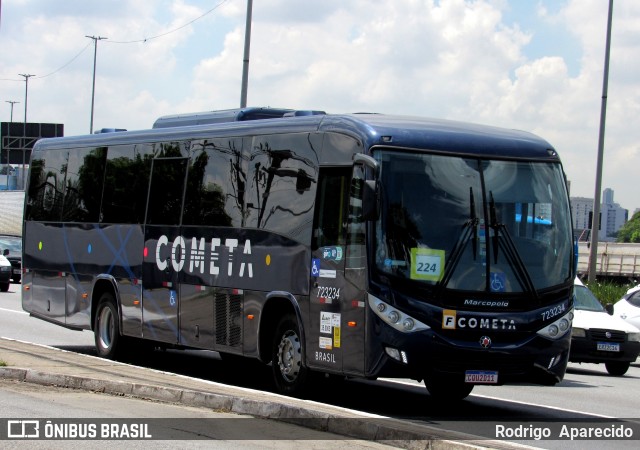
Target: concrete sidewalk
50, 366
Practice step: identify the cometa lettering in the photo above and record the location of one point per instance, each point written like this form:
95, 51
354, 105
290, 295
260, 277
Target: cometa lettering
486, 324
195, 259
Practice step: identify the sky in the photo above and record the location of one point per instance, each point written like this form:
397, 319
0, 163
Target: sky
534, 65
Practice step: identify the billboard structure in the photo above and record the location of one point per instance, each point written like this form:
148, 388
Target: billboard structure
16, 141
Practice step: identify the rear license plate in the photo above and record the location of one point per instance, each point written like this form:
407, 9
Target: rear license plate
608, 347
480, 377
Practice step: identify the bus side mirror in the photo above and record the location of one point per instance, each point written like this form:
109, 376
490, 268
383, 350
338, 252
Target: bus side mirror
370, 204
609, 308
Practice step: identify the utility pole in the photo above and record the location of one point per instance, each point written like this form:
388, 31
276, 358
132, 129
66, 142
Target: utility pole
595, 224
13, 102
245, 61
93, 88
26, 90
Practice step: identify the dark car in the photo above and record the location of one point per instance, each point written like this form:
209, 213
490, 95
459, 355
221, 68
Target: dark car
11, 248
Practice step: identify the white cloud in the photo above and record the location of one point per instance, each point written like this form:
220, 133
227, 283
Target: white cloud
453, 59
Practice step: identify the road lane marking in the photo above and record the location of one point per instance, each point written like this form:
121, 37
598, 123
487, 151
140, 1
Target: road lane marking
14, 311
511, 401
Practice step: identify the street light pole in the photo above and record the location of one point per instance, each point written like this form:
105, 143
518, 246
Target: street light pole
595, 223
26, 90
13, 102
93, 88
245, 61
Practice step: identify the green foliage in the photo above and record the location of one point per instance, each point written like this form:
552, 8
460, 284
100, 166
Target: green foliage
2, 363
630, 231
608, 291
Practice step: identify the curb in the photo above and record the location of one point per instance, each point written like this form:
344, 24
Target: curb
386, 431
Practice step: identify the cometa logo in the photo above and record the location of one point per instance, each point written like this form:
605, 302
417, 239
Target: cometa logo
196, 258
451, 321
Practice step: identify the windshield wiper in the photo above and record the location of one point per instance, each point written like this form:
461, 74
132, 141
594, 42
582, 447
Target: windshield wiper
474, 223
469, 232
509, 249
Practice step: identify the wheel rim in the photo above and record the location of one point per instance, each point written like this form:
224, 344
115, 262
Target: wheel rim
105, 330
289, 356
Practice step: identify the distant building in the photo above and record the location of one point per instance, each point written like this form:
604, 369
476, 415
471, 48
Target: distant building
612, 216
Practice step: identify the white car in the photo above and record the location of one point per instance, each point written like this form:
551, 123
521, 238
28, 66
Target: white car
597, 336
5, 274
628, 307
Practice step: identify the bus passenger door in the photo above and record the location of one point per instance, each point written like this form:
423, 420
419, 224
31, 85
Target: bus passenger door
331, 341
165, 250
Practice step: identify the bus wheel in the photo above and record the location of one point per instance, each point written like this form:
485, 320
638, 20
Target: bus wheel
289, 373
617, 368
107, 327
443, 389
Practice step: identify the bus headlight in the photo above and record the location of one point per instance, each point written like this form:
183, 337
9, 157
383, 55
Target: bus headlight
394, 317
558, 328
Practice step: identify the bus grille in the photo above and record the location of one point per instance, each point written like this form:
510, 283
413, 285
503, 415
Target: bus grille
227, 311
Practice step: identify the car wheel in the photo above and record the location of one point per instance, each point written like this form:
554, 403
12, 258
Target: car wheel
4, 287
617, 368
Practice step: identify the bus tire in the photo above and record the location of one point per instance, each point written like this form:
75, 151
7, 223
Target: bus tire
617, 368
289, 373
106, 328
442, 389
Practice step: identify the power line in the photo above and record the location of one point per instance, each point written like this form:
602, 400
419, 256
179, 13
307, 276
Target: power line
69, 62
171, 31
125, 42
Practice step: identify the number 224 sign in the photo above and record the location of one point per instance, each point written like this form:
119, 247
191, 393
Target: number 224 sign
427, 264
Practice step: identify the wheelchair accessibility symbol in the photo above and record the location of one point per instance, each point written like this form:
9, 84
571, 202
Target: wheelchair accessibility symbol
315, 267
498, 282
172, 298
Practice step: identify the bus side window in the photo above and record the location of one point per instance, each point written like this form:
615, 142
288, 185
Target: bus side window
46, 187
83, 186
331, 207
356, 229
215, 185
126, 183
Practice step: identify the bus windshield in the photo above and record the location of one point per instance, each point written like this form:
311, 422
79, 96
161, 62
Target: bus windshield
471, 224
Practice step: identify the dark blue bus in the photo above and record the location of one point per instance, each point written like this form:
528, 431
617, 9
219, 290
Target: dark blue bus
358, 245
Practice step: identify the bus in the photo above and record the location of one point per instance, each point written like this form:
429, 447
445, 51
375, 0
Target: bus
354, 245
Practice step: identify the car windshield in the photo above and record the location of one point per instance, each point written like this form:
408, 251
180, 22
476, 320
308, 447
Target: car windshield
13, 244
585, 300
473, 224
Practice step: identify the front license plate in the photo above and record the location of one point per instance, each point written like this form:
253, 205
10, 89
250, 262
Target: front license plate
608, 347
16, 271
480, 377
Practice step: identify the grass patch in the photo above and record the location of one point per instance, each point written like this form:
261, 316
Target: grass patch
2, 363
609, 291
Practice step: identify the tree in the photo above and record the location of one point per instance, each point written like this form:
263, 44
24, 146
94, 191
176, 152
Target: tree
630, 232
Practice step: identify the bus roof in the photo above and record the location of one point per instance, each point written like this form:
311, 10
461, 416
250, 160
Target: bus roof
370, 129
